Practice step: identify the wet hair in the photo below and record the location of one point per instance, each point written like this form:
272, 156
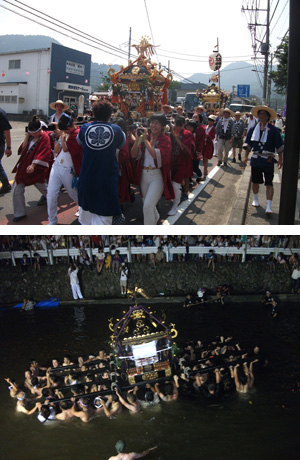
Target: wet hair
45, 410
149, 396
241, 376
102, 110
34, 124
64, 405
35, 381
114, 398
120, 446
132, 398
211, 387
55, 379
45, 392
169, 390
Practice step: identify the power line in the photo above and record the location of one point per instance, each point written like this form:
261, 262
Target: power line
72, 29
61, 32
145, 3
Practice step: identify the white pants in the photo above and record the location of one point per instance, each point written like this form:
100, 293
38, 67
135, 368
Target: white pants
60, 175
76, 291
223, 145
88, 218
18, 196
152, 188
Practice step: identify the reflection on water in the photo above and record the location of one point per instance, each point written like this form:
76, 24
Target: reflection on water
263, 425
79, 323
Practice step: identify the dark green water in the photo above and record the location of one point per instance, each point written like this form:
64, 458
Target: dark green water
263, 425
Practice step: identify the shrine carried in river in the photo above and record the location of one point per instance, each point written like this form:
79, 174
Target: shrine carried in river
143, 344
140, 89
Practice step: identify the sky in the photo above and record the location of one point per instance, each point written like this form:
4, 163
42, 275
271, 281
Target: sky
185, 34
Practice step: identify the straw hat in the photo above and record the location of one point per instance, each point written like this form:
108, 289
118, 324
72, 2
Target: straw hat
53, 104
238, 113
212, 117
93, 98
229, 111
270, 111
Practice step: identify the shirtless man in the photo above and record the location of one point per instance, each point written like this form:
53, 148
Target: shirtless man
172, 392
132, 402
243, 381
112, 406
66, 411
85, 412
22, 403
121, 447
36, 369
13, 387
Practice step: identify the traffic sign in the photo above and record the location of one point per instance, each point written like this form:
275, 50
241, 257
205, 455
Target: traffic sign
243, 90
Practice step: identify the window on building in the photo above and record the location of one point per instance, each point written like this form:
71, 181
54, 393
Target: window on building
9, 99
14, 64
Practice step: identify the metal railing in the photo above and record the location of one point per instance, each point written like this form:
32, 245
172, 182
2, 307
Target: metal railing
129, 252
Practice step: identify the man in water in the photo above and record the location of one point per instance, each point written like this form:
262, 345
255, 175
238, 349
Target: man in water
121, 447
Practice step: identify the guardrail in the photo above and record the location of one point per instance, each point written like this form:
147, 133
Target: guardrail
51, 254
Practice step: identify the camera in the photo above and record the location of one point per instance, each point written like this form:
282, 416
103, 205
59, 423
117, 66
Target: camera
140, 131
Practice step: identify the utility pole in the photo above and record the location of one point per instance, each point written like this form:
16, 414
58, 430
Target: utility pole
266, 47
289, 185
129, 45
270, 82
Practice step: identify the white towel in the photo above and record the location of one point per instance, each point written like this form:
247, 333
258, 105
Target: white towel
256, 134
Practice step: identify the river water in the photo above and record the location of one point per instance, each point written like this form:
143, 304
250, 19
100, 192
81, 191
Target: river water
263, 425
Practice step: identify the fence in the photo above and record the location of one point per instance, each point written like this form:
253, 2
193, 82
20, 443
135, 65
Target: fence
244, 252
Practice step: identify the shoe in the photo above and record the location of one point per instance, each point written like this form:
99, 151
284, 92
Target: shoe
219, 163
269, 210
42, 200
5, 188
255, 202
233, 160
240, 157
17, 219
173, 211
76, 214
224, 163
199, 179
184, 197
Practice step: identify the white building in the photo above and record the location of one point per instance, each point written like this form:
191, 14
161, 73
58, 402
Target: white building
31, 80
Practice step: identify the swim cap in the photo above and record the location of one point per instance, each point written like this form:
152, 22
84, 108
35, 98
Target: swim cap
120, 446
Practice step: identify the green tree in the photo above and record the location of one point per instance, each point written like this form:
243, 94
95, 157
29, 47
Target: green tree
280, 76
175, 84
106, 82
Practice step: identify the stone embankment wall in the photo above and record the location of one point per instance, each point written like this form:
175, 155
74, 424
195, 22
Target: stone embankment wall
172, 279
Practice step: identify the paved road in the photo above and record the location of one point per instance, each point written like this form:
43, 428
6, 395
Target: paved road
223, 199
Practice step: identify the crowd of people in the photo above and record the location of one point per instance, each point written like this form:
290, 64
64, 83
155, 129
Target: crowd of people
99, 162
94, 385
42, 243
